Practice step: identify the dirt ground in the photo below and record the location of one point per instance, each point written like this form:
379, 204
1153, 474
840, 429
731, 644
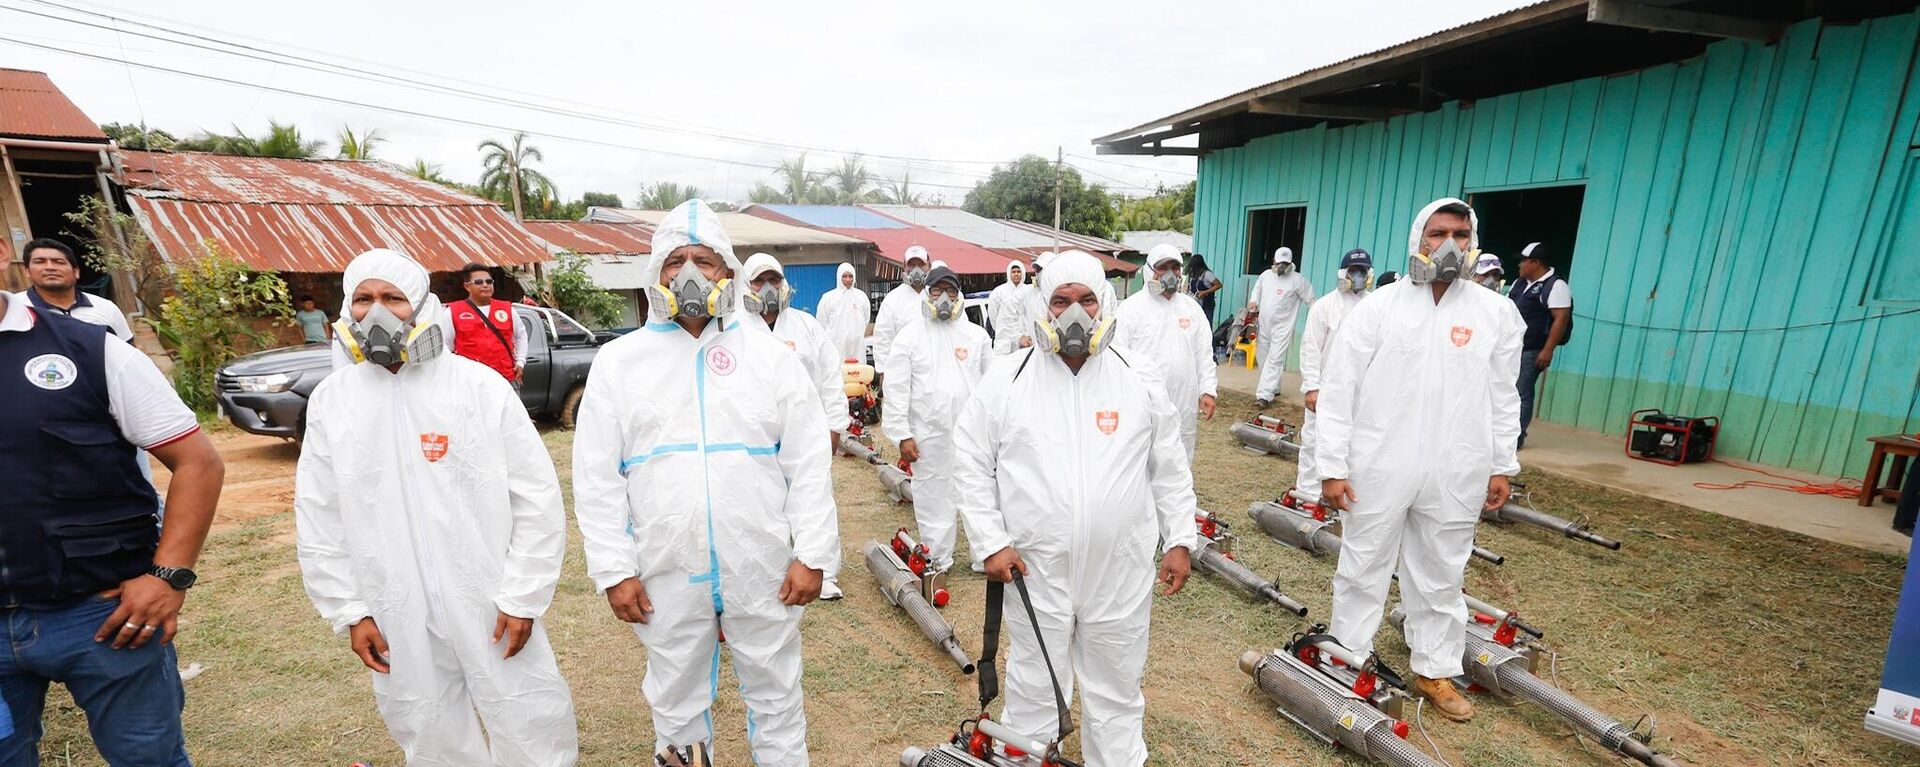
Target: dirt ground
1747, 646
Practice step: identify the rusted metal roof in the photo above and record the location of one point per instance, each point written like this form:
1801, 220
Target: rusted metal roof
1101, 248
594, 238
890, 236
315, 215
32, 107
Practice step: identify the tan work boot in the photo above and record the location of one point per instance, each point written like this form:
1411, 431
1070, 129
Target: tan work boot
1444, 696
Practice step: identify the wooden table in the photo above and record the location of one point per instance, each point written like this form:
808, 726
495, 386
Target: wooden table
1901, 447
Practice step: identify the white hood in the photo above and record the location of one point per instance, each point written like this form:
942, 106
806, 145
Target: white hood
759, 263
845, 270
397, 268
1012, 265
691, 223
1077, 267
1160, 253
1420, 223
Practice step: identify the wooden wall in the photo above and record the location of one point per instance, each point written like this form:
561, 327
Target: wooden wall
1747, 243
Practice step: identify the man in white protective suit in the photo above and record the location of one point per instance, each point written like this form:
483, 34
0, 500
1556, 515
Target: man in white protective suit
704, 495
1070, 471
1013, 291
1418, 419
844, 311
430, 529
901, 307
1277, 297
937, 362
1030, 311
1323, 319
1168, 330
769, 300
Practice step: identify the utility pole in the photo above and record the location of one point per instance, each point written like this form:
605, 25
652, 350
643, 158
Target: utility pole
1059, 158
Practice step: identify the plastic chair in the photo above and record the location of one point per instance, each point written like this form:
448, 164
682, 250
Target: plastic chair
1249, 348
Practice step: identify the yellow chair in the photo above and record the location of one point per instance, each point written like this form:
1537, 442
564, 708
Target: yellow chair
1248, 347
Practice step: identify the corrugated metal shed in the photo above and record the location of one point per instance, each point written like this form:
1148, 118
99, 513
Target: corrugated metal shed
1145, 240
747, 232
893, 237
1107, 250
960, 224
315, 215
1744, 246
32, 107
595, 237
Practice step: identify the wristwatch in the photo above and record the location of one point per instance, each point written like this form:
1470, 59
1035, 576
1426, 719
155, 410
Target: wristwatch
180, 578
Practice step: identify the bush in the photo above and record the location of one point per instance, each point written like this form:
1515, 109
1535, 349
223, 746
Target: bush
574, 292
208, 319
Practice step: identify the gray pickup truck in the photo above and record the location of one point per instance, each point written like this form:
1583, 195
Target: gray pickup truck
266, 393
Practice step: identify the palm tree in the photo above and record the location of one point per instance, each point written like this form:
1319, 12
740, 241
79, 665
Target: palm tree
761, 193
665, 195
284, 140
799, 186
899, 192
359, 146
851, 181
426, 171
504, 173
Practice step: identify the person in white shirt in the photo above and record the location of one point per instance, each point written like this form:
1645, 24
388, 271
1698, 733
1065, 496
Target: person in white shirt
900, 307
1323, 320
1168, 329
1015, 285
1546, 303
55, 272
1277, 297
938, 360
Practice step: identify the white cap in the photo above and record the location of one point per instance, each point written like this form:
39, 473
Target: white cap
1283, 253
916, 252
759, 263
1488, 263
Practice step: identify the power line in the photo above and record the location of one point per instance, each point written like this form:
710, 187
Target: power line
411, 112
1092, 158
331, 68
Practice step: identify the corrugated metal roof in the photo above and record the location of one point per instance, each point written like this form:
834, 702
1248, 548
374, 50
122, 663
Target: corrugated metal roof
835, 216
893, 237
960, 224
1103, 248
746, 231
594, 237
1144, 240
32, 107
618, 272
315, 215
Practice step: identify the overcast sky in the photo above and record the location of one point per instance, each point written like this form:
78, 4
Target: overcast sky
957, 87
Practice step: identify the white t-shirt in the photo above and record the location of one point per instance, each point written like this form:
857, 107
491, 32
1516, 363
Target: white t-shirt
95, 310
1559, 296
140, 399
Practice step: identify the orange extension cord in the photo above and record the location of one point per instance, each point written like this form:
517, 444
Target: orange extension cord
1845, 488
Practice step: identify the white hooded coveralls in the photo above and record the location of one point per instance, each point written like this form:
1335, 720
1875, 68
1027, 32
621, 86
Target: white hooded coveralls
700, 468
844, 313
1323, 321
1278, 300
425, 500
900, 308
1417, 410
1082, 475
1003, 294
1171, 334
936, 367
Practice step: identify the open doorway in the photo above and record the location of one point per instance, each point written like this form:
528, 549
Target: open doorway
1270, 228
1515, 217
48, 198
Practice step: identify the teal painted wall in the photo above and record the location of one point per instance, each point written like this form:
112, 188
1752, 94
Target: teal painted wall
1747, 243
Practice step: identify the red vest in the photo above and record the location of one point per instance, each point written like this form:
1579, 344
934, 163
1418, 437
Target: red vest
472, 339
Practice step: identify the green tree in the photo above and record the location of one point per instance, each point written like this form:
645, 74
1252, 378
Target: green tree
139, 136
1024, 190
762, 193
601, 200
359, 146
428, 171
1165, 209
576, 294
506, 174
899, 192
280, 140
665, 195
213, 315
851, 183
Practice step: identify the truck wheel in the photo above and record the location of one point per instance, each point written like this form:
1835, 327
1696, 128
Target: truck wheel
570, 407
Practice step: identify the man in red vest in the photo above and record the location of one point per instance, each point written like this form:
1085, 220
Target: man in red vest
484, 330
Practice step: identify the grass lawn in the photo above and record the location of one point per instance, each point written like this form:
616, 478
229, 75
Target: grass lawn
1748, 646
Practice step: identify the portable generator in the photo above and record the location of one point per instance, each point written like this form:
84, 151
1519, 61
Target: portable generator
1671, 439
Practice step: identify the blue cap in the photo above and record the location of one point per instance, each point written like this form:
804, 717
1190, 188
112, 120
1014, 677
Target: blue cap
1356, 257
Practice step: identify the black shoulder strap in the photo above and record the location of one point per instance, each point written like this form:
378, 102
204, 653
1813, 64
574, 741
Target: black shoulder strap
1023, 364
496, 331
990, 636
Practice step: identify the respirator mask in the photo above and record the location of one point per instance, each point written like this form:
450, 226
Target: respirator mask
944, 307
1169, 282
383, 339
1283, 268
1443, 265
1074, 333
917, 277
691, 294
1356, 280
769, 298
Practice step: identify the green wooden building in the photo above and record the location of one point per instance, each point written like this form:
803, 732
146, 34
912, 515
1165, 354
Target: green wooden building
1731, 188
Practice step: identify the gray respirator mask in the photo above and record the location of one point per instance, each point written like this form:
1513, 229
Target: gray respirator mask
696, 296
943, 308
1283, 268
917, 277
1169, 283
1443, 265
384, 339
769, 298
1074, 333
